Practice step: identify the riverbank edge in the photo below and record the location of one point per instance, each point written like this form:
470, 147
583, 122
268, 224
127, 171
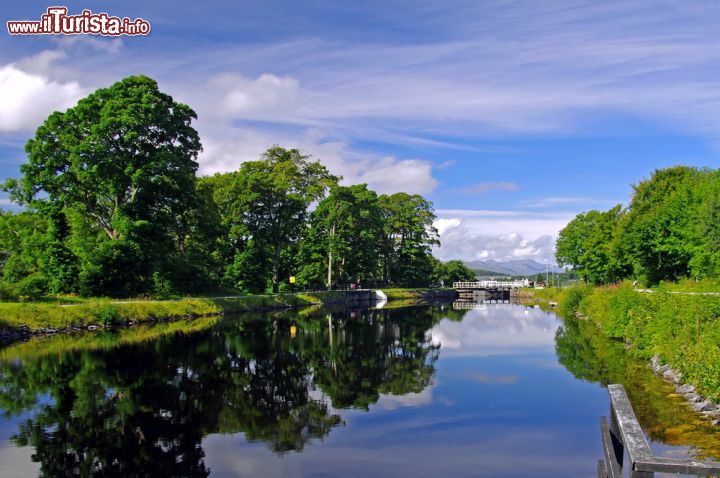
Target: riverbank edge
688, 391
20, 320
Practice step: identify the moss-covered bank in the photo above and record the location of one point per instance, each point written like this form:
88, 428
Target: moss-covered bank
683, 330
47, 317
420, 294
19, 318
663, 413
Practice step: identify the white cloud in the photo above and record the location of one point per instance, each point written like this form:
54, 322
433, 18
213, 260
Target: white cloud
411, 399
499, 235
384, 174
27, 99
265, 97
33, 87
228, 103
531, 224
489, 379
42, 62
445, 165
445, 224
103, 45
546, 69
495, 329
227, 154
480, 87
388, 174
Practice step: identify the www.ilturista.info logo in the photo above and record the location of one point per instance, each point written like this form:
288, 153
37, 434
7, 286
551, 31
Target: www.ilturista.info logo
56, 21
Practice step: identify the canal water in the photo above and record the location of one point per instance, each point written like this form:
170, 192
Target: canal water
488, 390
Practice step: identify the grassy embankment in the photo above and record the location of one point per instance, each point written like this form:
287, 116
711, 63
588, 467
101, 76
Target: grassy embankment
69, 313
87, 312
682, 329
113, 337
57, 344
415, 294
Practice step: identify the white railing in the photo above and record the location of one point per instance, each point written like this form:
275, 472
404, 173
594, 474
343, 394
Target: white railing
480, 305
492, 284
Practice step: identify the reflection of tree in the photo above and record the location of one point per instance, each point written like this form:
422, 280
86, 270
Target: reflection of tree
144, 409
456, 315
382, 352
103, 423
577, 353
589, 355
269, 399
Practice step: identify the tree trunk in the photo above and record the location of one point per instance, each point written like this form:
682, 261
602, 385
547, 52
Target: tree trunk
329, 274
276, 267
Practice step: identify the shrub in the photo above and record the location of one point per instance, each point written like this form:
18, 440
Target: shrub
684, 330
162, 287
106, 315
33, 287
118, 269
571, 298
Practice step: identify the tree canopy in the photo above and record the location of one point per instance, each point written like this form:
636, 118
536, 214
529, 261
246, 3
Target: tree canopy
408, 236
113, 176
341, 245
123, 156
668, 231
264, 208
453, 271
114, 207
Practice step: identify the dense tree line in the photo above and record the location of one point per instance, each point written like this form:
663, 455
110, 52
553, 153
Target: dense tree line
113, 207
670, 230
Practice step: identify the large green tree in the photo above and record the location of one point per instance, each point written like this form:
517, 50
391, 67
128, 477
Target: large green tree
408, 237
114, 208
659, 232
342, 242
705, 261
264, 208
453, 271
588, 244
669, 231
124, 159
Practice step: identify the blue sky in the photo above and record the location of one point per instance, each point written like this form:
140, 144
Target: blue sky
512, 116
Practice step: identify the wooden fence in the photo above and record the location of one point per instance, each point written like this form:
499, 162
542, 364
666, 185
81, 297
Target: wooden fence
622, 433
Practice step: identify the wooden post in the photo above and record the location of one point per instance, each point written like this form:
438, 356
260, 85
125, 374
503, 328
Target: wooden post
625, 429
616, 437
613, 459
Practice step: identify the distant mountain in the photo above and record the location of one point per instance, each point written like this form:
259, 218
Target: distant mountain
524, 267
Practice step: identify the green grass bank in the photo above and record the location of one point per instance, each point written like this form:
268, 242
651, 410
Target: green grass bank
682, 329
47, 317
419, 294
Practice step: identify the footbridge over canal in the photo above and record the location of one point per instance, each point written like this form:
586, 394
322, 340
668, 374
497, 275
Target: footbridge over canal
490, 289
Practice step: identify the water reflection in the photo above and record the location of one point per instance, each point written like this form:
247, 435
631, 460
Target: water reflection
421, 391
145, 408
496, 329
673, 428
